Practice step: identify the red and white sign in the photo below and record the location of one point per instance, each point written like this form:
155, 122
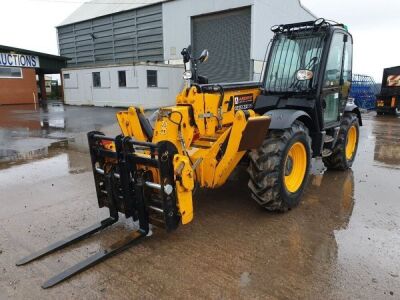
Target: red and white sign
244, 102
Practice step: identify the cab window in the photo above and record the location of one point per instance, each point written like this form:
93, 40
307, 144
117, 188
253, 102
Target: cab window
347, 67
334, 64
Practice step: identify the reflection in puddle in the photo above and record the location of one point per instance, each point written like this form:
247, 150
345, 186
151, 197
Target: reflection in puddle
25, 121
28, 120
52, 117
336, 190
331, 197
28, 132
387, 153
36, 171
387, 144
57, 165
34, 148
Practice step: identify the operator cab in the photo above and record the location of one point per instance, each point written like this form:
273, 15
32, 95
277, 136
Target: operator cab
309, 68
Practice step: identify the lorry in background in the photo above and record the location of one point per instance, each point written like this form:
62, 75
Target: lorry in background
388, 100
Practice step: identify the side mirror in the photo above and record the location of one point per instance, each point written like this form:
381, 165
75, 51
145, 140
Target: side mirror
186, 53
204, 56
186, 56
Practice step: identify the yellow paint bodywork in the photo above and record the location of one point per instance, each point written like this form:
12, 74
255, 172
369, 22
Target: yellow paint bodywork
232, 156
294, 178
351, 143
201, 133
130, 125
167, 128
184, 186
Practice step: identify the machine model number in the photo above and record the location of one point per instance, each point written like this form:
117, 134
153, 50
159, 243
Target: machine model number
243, 102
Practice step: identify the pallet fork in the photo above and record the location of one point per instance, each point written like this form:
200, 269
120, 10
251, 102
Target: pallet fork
124, 185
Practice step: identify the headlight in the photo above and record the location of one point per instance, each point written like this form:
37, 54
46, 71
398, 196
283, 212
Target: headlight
187, 75
319, 22
304, 75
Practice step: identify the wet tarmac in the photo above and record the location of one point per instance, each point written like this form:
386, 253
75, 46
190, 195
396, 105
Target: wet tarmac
342, 242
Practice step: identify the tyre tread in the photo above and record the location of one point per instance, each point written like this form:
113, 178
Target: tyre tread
337, 160
264, 167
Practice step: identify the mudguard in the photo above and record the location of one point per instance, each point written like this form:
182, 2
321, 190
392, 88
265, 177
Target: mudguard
284, 118
351, 107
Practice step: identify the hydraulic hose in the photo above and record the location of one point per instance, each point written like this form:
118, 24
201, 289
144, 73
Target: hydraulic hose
219, 88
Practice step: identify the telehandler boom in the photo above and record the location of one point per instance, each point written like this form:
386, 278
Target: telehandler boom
298, 111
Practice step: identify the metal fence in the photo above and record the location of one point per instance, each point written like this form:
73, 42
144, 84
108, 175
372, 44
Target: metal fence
363, 90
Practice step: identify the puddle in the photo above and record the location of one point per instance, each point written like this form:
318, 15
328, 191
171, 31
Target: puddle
58, 162
30, 149
386, 131
28, 132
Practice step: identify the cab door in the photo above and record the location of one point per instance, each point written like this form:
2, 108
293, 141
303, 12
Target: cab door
337, 79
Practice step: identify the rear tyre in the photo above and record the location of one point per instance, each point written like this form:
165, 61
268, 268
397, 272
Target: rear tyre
279, 169
379, 113
345, 149
396, 111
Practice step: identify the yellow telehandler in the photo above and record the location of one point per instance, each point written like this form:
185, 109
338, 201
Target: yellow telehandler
298, 111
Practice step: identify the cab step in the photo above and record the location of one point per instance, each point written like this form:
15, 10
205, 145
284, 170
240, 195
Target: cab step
328, 139
326, 152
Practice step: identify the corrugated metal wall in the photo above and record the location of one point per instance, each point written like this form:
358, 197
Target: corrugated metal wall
227, 36
129, 36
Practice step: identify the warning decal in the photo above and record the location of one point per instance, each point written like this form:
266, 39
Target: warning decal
243, 102
393, 80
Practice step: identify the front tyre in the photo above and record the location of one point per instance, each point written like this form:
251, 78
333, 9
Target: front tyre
345, 149
279, 169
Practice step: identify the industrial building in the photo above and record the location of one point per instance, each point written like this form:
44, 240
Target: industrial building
129, 54
19, 69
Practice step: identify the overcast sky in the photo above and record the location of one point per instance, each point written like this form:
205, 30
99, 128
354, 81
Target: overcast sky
374, 24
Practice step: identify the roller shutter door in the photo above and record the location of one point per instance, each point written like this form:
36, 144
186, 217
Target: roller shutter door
227, 37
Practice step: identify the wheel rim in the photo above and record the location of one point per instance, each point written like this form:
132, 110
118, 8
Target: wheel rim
351, 142
295, 167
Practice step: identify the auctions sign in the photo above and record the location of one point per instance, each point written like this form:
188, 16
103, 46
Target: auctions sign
19, 60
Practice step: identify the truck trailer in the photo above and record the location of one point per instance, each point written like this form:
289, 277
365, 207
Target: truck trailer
388, 100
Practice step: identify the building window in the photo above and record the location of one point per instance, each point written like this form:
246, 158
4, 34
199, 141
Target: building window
151, 78
66, 75
96, 79
122, 78
10, 73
